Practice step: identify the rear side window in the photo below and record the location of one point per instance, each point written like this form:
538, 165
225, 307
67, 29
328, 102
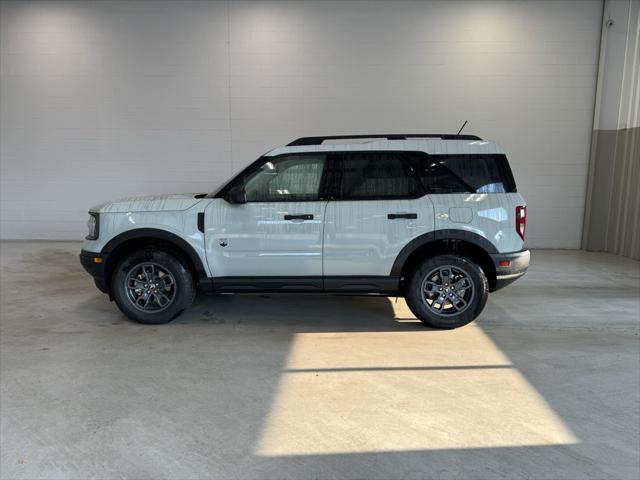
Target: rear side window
372, 176
465, 173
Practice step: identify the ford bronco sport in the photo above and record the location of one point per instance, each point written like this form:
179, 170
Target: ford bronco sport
433, 218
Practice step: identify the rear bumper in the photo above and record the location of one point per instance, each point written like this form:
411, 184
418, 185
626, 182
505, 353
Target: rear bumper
94, 264
510, 267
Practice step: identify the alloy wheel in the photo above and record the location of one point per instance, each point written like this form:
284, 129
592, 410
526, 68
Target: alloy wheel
150, 287
447, 290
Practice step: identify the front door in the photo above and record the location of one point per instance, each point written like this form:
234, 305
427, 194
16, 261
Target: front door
278, 232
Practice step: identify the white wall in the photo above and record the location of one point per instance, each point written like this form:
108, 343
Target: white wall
107, 99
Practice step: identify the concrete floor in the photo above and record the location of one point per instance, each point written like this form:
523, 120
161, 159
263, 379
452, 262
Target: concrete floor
544, 385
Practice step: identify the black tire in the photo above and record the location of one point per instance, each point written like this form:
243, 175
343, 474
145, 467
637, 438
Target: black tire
170, 270
465, 303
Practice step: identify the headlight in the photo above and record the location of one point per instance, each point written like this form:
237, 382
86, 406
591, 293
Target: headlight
94, 226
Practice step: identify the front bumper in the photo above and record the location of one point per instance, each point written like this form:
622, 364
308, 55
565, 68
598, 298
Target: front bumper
510, 267
94, 263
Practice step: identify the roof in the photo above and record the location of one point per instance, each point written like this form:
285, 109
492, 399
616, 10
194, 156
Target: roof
429, 145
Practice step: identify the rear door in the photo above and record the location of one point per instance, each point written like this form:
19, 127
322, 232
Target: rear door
376, 206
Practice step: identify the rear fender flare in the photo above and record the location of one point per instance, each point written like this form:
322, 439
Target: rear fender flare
439, 235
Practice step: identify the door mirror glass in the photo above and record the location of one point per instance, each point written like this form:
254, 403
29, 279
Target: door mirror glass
237, 195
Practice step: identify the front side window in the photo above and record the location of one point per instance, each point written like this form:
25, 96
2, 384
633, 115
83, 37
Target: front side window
372, 176
289, 178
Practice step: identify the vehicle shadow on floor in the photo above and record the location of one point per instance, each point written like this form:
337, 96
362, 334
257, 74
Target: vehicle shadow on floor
305, 312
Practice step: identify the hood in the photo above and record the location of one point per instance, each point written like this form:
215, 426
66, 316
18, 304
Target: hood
152, 203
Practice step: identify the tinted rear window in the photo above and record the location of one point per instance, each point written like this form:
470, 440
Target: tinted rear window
465, 173
374, 175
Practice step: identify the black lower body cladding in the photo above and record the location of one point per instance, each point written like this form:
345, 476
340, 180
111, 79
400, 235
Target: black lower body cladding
510, 267
95, 264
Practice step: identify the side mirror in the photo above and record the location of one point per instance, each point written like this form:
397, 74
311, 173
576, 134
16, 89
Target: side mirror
237, 195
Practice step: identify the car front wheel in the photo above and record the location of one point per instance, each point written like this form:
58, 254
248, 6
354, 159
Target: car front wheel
447, 291
152, 286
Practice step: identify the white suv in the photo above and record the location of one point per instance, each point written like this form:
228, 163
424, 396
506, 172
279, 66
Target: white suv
433, 218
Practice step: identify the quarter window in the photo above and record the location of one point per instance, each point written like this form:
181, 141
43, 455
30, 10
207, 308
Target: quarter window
465, 173
290, 178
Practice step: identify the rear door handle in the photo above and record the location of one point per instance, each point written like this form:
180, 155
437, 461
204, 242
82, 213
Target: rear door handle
394, 216
306, 216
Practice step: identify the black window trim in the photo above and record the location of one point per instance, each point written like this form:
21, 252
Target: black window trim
325, 193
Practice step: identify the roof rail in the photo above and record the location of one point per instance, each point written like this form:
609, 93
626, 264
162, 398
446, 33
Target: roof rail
388, 136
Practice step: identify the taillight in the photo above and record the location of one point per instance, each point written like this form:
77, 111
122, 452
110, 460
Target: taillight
521, 220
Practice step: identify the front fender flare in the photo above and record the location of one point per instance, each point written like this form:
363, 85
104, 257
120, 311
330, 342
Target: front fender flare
159, 234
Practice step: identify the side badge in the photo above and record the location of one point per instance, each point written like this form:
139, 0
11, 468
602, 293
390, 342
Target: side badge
223, 242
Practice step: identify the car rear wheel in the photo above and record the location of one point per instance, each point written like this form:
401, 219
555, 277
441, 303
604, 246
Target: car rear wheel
152, 286
447, 291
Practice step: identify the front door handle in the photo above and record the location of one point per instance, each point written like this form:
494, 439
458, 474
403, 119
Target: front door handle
306, 216
394, 216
